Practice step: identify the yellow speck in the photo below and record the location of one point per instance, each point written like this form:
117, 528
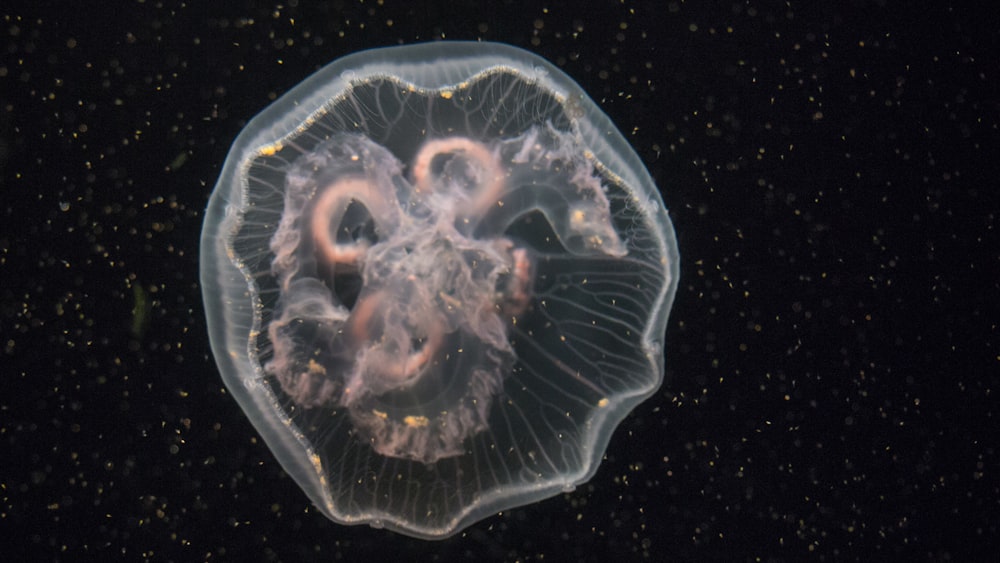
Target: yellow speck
416, 421
380, 414
603, 402
315, 368
447, 94
270, 150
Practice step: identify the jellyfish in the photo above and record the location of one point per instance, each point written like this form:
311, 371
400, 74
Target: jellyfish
436, 278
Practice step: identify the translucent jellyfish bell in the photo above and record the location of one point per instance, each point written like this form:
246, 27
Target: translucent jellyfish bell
437, 277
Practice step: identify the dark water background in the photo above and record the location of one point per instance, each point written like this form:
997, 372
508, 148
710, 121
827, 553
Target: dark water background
833, 355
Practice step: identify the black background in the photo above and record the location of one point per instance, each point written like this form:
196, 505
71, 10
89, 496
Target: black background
833, 357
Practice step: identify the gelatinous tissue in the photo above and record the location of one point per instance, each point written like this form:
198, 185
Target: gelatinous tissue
436, 278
